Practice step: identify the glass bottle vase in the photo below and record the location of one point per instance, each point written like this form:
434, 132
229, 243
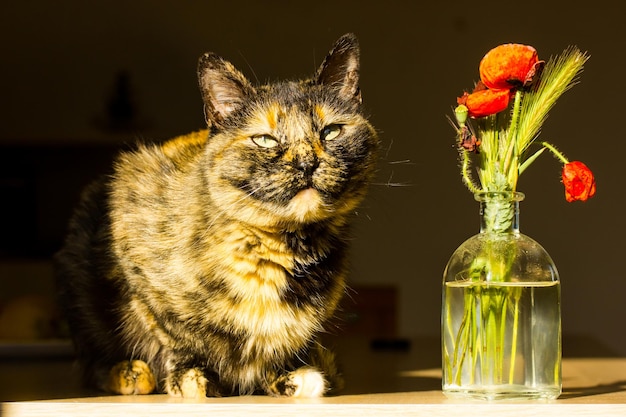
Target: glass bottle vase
501, 315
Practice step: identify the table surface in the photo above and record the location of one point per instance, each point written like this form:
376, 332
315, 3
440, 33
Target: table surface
386, 380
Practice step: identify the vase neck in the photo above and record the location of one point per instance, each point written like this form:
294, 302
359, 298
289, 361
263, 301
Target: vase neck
499, 211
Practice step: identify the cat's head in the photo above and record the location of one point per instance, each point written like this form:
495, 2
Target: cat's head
290, 152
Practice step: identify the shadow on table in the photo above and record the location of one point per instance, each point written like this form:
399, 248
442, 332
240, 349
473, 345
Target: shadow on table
581, 346
577, 392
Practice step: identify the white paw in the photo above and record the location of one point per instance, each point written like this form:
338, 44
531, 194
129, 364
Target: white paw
307, 383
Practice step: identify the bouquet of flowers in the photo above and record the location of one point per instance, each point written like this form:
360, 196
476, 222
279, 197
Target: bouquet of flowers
504, 141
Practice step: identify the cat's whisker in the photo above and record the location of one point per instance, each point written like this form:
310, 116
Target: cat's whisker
249, 67
302, 360
393, 184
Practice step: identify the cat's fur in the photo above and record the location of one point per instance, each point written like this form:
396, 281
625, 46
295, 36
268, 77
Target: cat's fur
209, 264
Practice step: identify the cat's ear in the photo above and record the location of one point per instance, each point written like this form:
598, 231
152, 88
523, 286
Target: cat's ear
223, 88
340, 69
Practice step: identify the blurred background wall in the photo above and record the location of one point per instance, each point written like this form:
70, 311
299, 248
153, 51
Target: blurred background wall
79, 80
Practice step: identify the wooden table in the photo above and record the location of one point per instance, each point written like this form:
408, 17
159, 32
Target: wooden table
388, 380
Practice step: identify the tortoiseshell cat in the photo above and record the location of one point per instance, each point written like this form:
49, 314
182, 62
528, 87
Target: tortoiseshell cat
208, 265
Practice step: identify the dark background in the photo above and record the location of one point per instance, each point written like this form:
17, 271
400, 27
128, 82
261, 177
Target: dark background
79, 80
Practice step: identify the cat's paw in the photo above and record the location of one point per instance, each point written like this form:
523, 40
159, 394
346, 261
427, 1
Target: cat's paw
131, 378
303, 382
190, 383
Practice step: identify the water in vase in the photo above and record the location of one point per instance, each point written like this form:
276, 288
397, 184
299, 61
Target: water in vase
501, 340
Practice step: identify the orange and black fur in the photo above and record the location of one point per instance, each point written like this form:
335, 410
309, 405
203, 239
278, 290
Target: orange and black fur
208, 265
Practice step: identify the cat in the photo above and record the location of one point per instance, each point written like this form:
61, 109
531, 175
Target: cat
210, 264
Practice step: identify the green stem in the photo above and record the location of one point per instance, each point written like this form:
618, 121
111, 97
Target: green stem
461, 344
467, 178
530, 160
511, 152
502, 336
555, 152
514, 341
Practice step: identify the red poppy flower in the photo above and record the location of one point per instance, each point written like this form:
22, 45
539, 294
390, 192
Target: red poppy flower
508, 66
578, 181
502, 69
485, 102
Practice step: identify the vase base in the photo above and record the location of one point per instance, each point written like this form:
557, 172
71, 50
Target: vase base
501, 392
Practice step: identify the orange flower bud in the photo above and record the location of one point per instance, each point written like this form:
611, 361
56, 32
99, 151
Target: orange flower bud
486, 102
578, 181
508, 66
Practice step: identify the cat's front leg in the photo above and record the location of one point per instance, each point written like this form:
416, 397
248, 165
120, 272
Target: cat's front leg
186, 383
305, 382
192, 383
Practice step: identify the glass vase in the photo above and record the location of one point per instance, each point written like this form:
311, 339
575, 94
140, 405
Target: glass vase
501, 314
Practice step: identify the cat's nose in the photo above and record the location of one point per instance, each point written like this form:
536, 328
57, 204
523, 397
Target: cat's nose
307, 163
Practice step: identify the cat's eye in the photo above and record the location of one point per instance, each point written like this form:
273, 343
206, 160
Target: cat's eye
265, 141
330, 132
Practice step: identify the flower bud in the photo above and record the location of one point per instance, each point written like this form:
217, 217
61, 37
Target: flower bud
460, 112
